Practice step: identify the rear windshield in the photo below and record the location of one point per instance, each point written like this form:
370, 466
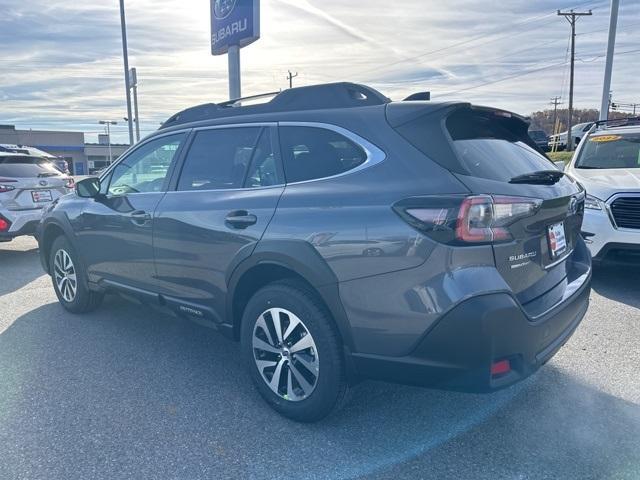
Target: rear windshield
27, 168
610, 151
492, 146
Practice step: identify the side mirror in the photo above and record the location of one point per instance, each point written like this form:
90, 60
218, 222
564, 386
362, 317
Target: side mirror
560, 165
88, 187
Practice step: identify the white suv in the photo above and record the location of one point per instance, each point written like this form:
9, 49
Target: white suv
27, 184
607, 164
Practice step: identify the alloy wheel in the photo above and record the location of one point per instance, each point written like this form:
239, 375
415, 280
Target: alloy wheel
65, 275
285, 354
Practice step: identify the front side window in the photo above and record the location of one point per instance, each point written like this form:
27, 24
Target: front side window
145, 169
310, 153
219, 159
610, 151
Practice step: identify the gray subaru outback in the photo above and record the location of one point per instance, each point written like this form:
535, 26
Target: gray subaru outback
338, 236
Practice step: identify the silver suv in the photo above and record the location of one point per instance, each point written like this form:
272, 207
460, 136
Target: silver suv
27, 184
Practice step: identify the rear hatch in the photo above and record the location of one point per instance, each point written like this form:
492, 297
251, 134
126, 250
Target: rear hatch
28, 183
537, 210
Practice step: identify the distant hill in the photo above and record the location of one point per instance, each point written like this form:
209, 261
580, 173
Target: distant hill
544, 120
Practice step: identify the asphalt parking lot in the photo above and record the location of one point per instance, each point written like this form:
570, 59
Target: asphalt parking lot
134, 392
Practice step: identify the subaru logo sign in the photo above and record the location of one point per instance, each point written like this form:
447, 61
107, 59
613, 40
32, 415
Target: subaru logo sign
223, 8
43, 183
234, 22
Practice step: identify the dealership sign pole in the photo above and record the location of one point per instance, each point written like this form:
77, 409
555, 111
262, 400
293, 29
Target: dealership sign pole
234, 24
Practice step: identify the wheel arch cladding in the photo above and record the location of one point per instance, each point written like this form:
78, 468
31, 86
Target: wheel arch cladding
50, 232
275, 260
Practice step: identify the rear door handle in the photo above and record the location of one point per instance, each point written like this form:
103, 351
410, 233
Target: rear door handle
139, 217
240, 219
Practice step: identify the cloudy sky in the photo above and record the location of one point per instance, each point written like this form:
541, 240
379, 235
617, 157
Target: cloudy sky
61, 61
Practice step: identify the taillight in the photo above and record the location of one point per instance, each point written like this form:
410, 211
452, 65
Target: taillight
4, 187
466, 220
70, 183
4, 225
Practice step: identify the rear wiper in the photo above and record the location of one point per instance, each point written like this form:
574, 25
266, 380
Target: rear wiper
48, 174
541, 177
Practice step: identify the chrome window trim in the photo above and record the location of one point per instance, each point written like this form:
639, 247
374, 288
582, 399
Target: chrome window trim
608, 204
374, 154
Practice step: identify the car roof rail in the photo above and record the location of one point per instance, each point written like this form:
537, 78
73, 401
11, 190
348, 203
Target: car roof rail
619, 122
314, 97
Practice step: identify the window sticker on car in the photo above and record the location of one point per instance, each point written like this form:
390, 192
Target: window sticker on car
605, 138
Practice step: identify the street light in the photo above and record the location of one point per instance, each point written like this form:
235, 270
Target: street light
108, 123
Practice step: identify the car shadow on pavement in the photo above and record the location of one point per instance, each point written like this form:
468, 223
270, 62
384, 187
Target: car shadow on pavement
18, 267
132, 392
619, 284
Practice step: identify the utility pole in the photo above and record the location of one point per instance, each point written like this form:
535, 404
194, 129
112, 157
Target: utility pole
608, 66
108, 123
125, 57
290, 77
571, 17
555, 101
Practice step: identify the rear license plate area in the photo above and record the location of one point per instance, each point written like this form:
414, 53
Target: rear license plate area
41, 196
557, 239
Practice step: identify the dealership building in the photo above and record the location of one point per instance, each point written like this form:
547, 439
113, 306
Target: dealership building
83, 158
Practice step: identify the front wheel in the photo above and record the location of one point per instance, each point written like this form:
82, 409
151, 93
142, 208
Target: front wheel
292, 349
69, 280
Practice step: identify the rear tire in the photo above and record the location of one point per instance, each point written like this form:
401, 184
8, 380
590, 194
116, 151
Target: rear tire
304, 351
70, 280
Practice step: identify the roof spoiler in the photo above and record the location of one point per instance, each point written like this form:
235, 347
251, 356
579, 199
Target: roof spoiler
418, 96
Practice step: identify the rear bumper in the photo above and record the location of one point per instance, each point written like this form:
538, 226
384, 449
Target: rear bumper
457, 353
23, 222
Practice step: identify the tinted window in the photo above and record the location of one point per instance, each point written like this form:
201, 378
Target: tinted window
219, 158
611, 151
265, 170
310, 152
145, 169
493, 147
26, 169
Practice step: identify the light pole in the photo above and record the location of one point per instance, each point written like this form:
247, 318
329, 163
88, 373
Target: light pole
108, 123
133, 81
125, 57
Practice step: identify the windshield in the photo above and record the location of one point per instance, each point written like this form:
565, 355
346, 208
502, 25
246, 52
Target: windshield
12, 168
610, 151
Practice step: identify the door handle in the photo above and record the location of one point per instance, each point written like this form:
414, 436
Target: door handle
240, 219
139, 217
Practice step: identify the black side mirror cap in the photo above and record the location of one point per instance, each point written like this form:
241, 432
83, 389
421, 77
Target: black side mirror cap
88, 187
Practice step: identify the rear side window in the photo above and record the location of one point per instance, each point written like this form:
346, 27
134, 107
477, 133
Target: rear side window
27, 169
493, 147
310, 153
220, 159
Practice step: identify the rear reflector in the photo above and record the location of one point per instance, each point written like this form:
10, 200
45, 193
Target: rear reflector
4, 225
500, 368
